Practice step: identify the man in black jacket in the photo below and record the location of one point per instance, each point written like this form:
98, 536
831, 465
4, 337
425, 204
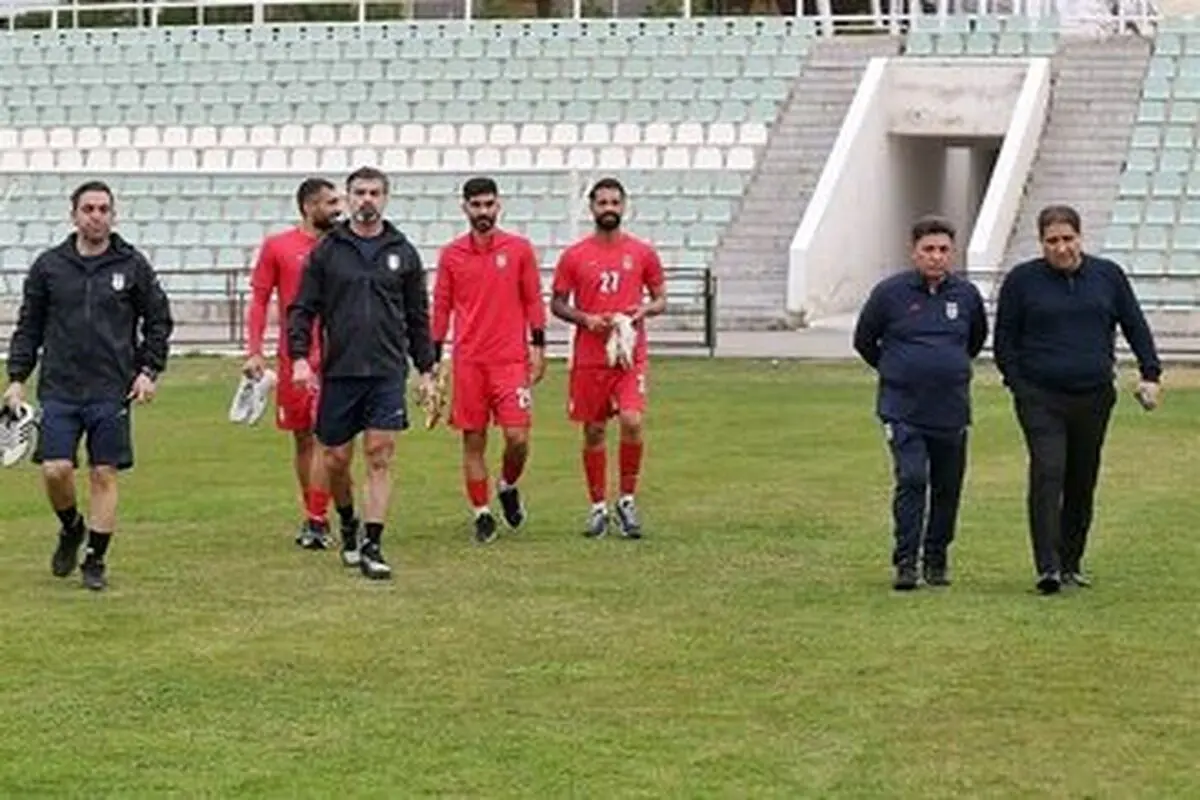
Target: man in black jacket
83, 301
920, 330
1056, 320
366, 284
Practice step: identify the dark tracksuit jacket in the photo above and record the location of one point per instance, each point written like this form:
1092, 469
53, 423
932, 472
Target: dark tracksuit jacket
921, 341
82, 314
372, 301
1055, 330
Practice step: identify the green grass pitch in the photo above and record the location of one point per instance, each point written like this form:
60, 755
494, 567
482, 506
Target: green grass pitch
749, 647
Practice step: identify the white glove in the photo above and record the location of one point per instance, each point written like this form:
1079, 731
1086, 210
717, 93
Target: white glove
621, 340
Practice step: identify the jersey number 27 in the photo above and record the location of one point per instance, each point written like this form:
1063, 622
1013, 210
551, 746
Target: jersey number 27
609, 281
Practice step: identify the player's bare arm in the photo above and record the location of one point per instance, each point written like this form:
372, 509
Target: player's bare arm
652, 308
560, 306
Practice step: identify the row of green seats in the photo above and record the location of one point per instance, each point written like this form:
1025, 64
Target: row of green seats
425, 112
981, 44
487, 69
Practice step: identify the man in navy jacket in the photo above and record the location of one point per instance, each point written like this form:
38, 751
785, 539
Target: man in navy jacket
920, 330
1056, 320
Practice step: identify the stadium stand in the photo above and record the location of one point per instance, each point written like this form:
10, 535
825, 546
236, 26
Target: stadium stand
720, 127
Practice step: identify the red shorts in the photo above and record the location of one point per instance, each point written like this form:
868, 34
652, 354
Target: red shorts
597, 393
295, 406
490, 392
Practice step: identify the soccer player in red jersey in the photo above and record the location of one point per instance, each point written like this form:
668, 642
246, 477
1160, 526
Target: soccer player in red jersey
608, 273
281, 262
488, 282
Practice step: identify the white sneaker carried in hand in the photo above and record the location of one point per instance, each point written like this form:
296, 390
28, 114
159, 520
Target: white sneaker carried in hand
250, 399
17, 431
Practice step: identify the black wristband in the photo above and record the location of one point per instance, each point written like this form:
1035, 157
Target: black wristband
437, 352
538, 337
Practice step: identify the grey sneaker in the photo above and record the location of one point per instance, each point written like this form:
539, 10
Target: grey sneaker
93, 575
627, 517
906, 578
597, 523
372, 564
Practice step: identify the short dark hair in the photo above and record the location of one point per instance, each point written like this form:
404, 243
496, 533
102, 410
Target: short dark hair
477, 186
932, 226
1056, 215
90, 186
310, 188
367, 174
605, 183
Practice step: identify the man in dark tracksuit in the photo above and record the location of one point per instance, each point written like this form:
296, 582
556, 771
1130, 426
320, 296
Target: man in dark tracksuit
366, 284
919, 330
1056, 319
83, 302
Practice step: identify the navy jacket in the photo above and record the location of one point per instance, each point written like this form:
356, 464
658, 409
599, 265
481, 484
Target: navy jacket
1057, 331
82, 316
372, 303
921, 341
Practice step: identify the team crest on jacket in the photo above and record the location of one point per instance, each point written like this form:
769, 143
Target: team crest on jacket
118, 281
627, 262
393, 261
951, 309
501, 261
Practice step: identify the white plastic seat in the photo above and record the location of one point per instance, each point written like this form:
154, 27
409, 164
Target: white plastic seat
291, 135
364, 156
534, 134
658, 134
643, 158
184, 160
740, 159
41, 159
457, 159
752, 134
303, 159
595, 133
689, 133
98, 159
175, 136
425, 158
60, 138
244, 159
722, 134
69, 160
214, 158
204, 136
675, 157
518, 158
564, 134
333, 159
85, 139
274, 159
472, 134
581, 158
612, 157
394, 158
117, 136
262, 136
442, 134
411, 134
487, 158
550, 158
627, 134
128, 159
33, 138
156, 159
231, 136
321, 135
502, 135
707, 158
381, 134
351, 135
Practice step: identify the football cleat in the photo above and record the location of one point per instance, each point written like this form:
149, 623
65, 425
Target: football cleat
628, 519
511, 506
621, 341
250, 399
597, 523
372, 564
17, 431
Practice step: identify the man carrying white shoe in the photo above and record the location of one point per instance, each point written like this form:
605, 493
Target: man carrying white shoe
281, 262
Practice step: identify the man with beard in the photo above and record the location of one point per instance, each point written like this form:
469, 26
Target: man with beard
610, 274
488, 282
281, 262
84, 302
366, 284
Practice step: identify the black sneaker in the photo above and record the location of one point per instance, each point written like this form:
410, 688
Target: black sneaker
597, 523
1049, 583
66, 554
906, 578
372, 564
936, 576
93, 575
485, 527
510, 506
314, 535
350, 552
627, 518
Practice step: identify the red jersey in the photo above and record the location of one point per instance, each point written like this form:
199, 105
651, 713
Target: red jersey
607, 278
493, 291
281, 262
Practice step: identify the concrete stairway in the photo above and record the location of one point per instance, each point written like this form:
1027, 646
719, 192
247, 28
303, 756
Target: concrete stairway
1093, 107
751, 262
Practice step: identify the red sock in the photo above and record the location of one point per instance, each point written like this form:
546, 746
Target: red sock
477, 492
316, 503
631, 465
595, 469
511, 468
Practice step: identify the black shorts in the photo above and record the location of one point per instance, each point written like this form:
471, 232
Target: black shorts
349, 406
106, 425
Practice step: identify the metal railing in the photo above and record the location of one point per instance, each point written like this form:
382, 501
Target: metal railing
829, 16
212, 318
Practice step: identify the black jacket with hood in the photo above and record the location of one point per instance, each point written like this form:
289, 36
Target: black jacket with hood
372, 302
81, 315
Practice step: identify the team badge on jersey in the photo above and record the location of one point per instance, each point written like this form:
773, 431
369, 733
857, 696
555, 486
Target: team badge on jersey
393, 261
501, 260
951, 309
627, 262
118, 281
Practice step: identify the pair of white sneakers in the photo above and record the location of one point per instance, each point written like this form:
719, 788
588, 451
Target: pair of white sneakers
250, 398
17, 431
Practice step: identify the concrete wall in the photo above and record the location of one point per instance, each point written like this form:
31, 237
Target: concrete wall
920, 137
